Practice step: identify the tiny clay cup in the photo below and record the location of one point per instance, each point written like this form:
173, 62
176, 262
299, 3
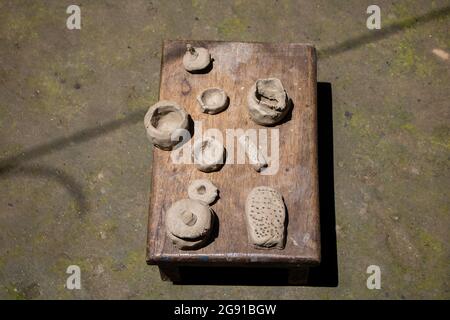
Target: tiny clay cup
164, 122
213, 100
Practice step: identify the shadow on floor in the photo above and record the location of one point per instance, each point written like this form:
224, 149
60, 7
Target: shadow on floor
325, 275
14, 165
47, 172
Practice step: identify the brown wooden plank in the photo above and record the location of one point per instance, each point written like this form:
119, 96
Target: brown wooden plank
236, 67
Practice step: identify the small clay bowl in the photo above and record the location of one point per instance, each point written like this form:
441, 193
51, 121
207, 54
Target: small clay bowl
213, 100
208, 154
164, 122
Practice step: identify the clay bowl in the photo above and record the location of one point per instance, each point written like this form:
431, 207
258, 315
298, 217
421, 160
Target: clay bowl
164, 123
213, 100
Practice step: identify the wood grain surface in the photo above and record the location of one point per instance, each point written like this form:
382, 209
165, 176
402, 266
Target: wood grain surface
236, 67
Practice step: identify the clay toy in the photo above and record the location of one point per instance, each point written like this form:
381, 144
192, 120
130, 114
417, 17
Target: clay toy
265, 216
267, 101
213, 100
203, 190
208, 154
196, 59
189, 223
164, 122
255, 156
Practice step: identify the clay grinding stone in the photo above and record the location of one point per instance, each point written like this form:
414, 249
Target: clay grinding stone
266, 217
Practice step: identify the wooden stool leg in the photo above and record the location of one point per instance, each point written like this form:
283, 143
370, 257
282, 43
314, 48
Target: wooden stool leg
170, 273
298, 276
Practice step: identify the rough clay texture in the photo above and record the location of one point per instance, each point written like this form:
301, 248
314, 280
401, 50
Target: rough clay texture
265, 214
162, 120
203, 190
75, 161
267, 101
188, 223
208, 154
196, 59
213, 100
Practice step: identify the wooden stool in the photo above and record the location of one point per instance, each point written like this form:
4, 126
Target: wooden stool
236, 67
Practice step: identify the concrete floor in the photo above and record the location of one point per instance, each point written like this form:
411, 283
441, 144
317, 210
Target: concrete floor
75, 162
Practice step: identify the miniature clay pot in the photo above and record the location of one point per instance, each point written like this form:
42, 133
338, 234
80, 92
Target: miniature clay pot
163, 120
267, 101
208, 154
203, 190
213, 100
196, 59
265, 216
189, 223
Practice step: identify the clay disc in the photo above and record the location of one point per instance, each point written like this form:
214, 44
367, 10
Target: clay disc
202, 190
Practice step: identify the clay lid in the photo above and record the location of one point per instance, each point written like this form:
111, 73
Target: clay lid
196, 59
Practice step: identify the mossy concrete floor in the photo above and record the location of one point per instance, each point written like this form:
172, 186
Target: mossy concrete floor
75, 162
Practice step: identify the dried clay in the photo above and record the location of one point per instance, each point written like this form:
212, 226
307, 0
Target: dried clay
268, 102
213, 100
196, 59
208, 154
265, 216
203, 190
255, 156
189, 223
163, 121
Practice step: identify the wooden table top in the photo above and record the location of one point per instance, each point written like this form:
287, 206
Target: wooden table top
236, 67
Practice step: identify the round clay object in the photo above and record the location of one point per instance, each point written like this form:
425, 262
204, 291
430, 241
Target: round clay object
265, 214
213, 100
188, 219
208, 154
187, 244
203, 190
267, 101
196, 59
163, 120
